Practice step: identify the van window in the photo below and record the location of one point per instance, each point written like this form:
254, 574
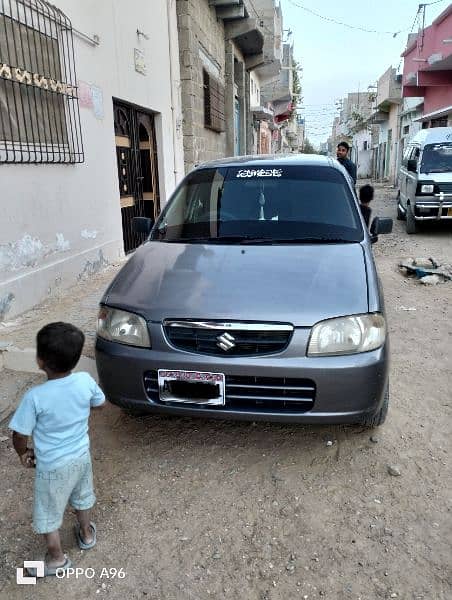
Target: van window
437, 158
406, 155
269, 204
412, 153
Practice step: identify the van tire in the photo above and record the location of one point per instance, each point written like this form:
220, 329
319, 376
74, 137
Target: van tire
411, 223
379, 417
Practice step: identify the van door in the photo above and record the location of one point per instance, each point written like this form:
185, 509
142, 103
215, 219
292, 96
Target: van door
403, 177
412, 178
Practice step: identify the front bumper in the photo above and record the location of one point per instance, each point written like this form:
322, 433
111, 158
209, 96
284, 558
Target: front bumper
433, 208
347, 388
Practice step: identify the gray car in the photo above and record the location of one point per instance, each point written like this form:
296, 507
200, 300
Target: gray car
255, 296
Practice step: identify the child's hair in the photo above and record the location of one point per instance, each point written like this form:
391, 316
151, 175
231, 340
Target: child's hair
366, 194
59, 346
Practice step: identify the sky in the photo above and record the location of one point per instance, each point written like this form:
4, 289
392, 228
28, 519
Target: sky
336, 59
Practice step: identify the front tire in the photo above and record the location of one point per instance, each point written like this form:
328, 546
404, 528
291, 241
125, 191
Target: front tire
411, 223
379, 417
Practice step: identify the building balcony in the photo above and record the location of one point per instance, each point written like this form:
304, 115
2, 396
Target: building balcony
377, 117
246, 34
270, 19
389, 90
280, 88
262, 113
242, 28
428, 57
229, 10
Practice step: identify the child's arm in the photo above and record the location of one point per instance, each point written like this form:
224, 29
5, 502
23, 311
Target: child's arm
98, 397
26, 455
22, 425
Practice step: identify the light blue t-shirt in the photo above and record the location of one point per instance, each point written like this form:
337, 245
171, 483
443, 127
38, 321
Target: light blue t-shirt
56, 414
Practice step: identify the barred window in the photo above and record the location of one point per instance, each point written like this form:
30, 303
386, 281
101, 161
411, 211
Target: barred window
213, 103
39, 112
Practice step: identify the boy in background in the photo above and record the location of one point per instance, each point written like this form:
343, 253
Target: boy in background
366, 194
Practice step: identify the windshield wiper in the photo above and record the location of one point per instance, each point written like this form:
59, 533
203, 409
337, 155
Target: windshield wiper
204, 240
301, 240
250, 240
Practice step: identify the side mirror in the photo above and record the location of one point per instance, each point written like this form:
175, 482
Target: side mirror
142, 225
380, 226
412, 165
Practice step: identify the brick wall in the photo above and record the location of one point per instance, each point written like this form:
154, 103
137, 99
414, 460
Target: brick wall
199, 29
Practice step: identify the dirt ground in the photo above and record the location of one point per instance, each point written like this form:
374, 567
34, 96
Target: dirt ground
193, 509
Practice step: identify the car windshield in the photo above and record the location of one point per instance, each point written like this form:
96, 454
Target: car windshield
437, 158
284, 204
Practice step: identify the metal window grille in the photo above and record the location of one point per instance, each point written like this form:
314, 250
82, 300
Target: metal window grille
39, 111
213, 103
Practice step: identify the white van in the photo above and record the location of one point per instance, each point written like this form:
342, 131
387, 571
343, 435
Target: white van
425, 178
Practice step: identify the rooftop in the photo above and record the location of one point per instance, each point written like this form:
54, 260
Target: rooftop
433, 135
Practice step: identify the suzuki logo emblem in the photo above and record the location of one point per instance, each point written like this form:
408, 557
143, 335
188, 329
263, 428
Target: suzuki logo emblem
225, 341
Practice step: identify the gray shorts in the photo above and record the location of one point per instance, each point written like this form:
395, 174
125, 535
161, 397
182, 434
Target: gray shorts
72, 483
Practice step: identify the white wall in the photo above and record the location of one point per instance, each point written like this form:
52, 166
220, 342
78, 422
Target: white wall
255, 90
61, 222
363, 157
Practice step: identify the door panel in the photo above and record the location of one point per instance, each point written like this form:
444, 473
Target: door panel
412, 178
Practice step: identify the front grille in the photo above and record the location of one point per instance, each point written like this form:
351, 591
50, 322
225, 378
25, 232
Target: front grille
233, 340
263, 394
444, 187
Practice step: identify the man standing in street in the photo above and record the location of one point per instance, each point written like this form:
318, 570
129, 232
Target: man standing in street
341, 154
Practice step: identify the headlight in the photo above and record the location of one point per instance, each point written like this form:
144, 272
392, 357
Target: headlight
347, 335
427, 188
123, 327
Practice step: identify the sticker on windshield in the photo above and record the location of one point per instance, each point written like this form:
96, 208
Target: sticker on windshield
248, 173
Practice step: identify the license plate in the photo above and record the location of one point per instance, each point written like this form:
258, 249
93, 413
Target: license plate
191, 387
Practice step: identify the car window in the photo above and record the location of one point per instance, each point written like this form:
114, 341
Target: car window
281, 204
437, 158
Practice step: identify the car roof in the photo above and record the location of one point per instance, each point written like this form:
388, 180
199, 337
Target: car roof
433, 135
272, 161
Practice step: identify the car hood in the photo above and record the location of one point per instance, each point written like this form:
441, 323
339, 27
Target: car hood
441, 177
298, 284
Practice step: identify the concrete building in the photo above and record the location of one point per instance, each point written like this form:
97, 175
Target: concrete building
301, 132
386, 114
278, 93
351, 126
410, 123
90, 136
355, 108
221, 43
427, 71
362, 151
270, 17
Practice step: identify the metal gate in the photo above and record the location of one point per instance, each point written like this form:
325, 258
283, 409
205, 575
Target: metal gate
136, 153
